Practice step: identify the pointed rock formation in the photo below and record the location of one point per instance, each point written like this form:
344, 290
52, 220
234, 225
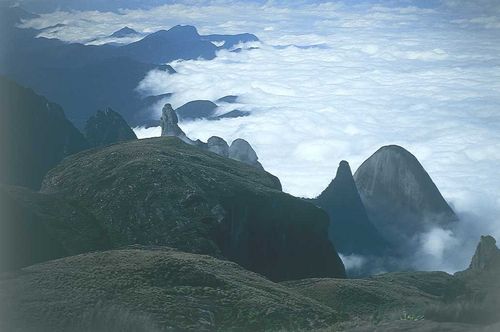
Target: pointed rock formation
239, 150
218, 145
242, 151
399, 195
350, 229
487, 255
169, 124
107, 127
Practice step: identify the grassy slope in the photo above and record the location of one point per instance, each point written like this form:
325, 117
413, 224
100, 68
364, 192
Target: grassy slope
151, 290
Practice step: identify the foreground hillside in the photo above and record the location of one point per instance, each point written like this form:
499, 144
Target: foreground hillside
147, 288
151, 289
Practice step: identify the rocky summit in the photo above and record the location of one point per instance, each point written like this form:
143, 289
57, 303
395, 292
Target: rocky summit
350, 229
399, 195
164, 192
107, 127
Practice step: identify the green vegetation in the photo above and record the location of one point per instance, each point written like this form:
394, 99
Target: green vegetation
156, 289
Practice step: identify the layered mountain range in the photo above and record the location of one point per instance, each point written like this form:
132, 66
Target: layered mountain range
83, 78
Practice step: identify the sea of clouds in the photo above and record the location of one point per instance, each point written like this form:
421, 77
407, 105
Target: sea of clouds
336, 81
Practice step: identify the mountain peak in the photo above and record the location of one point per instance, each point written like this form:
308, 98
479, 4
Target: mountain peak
107, 127
350, 229
487, 254
399, 194
124, 32
184, 28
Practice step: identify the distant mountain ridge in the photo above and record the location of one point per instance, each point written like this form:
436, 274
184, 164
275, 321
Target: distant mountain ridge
99, 75
124, 32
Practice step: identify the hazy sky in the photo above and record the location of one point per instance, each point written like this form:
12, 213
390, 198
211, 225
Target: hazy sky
424, 75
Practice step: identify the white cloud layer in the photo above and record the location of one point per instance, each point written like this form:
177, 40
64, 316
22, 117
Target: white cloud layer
427, 79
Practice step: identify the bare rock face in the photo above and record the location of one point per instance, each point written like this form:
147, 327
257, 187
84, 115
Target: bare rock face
169, 124
218, 145
487, 254
239, 150
242, 151
400, 197
350, 229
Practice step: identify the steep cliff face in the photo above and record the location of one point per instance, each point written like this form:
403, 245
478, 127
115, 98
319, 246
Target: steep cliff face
165, 192
399, 195
487, 255
34, 135
350, 229
107, 127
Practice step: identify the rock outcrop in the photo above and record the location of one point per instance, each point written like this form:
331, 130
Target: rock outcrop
399, 195
34, 135
487, 255
107, 127
350, 229
164, 192
169, 124
239, 150
218, 145
242, 151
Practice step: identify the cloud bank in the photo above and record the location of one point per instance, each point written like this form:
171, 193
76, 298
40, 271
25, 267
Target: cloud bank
426, 78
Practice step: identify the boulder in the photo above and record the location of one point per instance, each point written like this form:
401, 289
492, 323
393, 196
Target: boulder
218, 145
242, 151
